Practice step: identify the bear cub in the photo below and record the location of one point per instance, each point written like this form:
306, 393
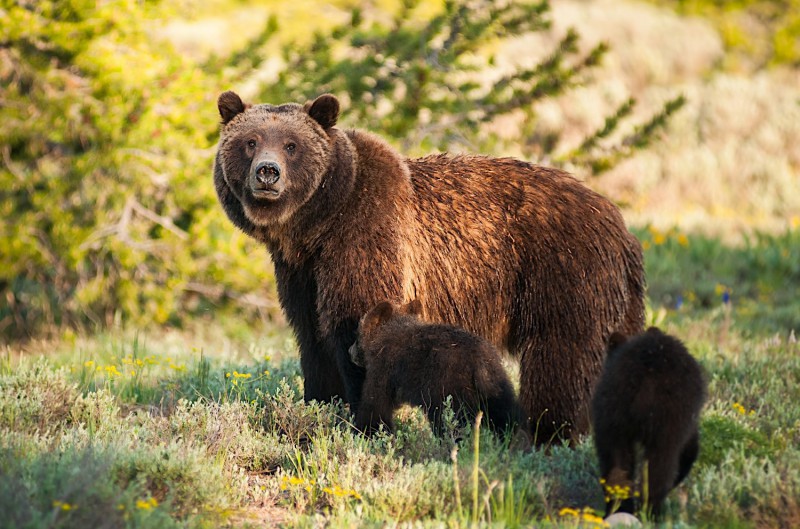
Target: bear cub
408, 361
650, 394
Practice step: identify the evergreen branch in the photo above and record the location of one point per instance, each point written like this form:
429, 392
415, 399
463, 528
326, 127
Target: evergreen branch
643, 134
640, 138
610, 125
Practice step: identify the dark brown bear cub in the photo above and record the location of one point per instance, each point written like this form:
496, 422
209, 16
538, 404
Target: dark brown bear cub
524, 256
649, 394
412, 362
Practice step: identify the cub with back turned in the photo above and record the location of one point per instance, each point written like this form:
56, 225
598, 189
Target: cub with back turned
650, 394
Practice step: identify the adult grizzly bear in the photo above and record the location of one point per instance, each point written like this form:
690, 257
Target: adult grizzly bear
650, 393
409, 361
525, 256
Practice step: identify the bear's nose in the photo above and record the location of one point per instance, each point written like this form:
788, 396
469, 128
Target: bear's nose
268, 172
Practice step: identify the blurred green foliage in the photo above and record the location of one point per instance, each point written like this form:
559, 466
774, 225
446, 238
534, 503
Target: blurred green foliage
107, 204
757, 280
762, 32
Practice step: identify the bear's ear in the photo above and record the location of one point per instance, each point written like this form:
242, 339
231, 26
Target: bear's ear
615, 340
654, 330
230, 105
413, 308
324, 110
375, 317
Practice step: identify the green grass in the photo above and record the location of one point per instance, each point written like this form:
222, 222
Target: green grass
168, 429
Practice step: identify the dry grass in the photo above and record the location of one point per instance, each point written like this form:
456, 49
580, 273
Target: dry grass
730, 161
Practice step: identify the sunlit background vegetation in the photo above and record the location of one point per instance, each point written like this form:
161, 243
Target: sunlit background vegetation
149, 379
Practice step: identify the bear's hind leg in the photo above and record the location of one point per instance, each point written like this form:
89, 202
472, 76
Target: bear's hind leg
617, 458
662, 470
556, 381
688, 457
503, 413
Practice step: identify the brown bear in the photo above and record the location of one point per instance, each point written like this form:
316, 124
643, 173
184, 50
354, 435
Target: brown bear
649, 394
522, 255
408, 361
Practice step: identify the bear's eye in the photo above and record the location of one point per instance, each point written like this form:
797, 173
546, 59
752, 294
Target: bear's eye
251, 144
290, 147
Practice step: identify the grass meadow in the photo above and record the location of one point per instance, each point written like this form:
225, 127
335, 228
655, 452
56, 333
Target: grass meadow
205, 428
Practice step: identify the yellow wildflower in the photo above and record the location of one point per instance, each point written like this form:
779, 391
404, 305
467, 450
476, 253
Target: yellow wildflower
64, 506
89, 363
589, 516
683, 240
146, 505
341, 493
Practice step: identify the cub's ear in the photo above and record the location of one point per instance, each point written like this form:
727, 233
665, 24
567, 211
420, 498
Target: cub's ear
230, 105
324, 110
654, 330
615, 340
376, 317
412, 308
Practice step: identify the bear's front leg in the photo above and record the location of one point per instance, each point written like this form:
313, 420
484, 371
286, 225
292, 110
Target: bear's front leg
376, 407
321, 380
297, 291
351, 375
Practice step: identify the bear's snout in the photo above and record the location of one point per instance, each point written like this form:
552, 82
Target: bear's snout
268, 172
266, 179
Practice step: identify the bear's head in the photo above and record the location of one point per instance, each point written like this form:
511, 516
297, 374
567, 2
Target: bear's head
617, 339
274, 158
377, 318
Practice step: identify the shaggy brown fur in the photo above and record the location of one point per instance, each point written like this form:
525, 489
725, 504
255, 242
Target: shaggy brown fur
522, 255
650, 394
412, 362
